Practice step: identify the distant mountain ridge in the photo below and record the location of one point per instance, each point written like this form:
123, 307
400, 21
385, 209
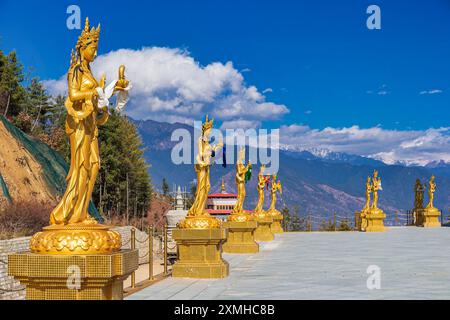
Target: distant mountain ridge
318, 181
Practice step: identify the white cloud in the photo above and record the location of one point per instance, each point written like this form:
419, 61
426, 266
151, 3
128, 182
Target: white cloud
240, 124
432, 91
168, 85
412, 147
267, 90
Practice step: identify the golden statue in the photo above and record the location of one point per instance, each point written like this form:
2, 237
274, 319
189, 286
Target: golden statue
368, 192
265, 220
197, 216
371, 218
262, 180
376, 185
276, 185
431, 190
418, 195
430, 215
72, 230
238, 213
275, 227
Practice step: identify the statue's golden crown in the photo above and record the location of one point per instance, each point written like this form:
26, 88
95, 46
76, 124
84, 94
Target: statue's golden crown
88, 35
208, 124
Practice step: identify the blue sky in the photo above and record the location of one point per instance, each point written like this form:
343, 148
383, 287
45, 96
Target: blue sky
316, 58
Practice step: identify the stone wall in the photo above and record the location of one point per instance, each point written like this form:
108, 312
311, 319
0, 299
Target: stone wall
10, 289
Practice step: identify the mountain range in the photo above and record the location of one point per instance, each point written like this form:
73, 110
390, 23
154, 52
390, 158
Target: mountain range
318, 181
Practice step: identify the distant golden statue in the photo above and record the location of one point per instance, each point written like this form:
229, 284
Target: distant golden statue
371, 218
197, 216
262, 180
71, 230
368, 192
238, 213
275, 187
431, 190
418, 195
376, 185
241, 171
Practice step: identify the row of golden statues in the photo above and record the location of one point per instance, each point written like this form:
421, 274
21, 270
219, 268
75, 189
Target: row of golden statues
371, 218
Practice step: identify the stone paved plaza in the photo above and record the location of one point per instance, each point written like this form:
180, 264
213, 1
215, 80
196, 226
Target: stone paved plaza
414, 263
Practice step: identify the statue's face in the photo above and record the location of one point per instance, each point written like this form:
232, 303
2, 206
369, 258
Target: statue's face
207, 133
90, 52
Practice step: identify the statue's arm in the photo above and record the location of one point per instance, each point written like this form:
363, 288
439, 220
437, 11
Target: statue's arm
75, 94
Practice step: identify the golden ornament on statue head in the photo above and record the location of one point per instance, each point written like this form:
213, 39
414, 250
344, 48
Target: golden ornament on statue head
198, 217
72, 230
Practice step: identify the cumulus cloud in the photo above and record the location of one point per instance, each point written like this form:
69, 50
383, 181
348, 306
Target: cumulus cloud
170, 85
417, 147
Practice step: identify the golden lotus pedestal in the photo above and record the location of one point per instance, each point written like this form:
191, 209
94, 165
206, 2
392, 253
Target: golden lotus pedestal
73, 277
200, 253
80, 261
240, 237
263, 232
276, 227
374, 220
430, 218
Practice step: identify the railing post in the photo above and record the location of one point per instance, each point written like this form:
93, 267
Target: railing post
133, 247
150, 253
165, 249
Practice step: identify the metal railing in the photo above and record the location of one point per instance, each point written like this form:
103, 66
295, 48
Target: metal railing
151, 259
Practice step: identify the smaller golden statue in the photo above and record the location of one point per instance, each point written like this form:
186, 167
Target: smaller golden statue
368, 192
431, 191
238, 213
418, 203
275, 187
263, 231
376, 185
262, 181
430, 213
197, 216
275, 227
371, 218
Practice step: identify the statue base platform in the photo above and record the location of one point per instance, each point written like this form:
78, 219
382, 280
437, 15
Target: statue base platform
262, 232
431, 218
276, 227
200, 253
240, 237
360, 221
73, 277
374, 219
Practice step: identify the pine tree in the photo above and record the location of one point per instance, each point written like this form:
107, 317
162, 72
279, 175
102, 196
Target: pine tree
12, 93
122, 154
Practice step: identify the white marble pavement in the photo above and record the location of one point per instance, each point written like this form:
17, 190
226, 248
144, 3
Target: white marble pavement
414, 263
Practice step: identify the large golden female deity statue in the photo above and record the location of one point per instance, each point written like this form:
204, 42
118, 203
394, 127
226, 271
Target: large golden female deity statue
71, 230
197, 216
